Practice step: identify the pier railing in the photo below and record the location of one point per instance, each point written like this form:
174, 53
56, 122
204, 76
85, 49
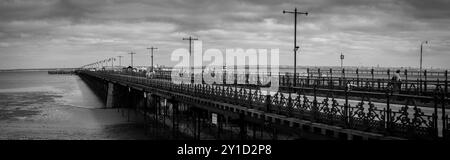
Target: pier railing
408, 119
359, 80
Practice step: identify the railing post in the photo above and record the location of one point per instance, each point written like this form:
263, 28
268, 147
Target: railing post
343, 78
203, 90
444, 119
235, 93
343, 72
224, 76
314, 107
379, 83
331, 79
389, 77
425, 82
388, 114
389, 74
307, 77
357, 72
319, 79
268, 103
445, 130
290, 106
319, 73
223, 91
406, 81
435, 112
446, 83
346, 109
371, 73
250, 98
357, 77
294, 80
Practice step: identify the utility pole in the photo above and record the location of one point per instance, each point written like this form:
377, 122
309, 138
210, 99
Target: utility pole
112, 63
131, 53
152, 48
421, 49
190, 39
120, 60
295, 12
342, 60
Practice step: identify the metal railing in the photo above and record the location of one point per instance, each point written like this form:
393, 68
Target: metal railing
422, 87
404, 120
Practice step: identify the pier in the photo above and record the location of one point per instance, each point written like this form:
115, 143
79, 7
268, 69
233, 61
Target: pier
348, 105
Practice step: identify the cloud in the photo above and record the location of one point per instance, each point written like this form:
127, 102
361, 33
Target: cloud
80, 31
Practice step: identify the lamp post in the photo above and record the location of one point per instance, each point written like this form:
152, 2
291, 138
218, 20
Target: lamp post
421, 49
295, 12
131, 53
152, 48
190, 39
120, 60
112, 63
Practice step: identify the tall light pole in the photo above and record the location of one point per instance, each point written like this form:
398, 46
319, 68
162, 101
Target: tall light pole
120, 60
421, 49
190, 39
112, 63
131, 53
152, 48
295, 12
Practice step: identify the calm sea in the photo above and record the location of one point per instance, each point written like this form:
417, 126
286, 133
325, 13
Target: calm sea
35, 105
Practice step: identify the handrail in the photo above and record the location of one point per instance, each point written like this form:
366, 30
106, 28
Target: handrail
407, 121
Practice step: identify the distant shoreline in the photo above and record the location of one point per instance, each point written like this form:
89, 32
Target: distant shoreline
34, 69
280, 67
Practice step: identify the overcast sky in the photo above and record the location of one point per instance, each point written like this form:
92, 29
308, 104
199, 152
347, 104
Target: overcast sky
71, 33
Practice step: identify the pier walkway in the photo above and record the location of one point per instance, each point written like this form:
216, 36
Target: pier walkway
295, 112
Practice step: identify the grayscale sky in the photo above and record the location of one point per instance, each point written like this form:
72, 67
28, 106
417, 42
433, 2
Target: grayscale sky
71, 33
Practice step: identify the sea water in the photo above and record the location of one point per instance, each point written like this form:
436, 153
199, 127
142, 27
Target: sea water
36, 105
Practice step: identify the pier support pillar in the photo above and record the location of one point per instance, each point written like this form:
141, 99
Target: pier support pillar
110, 96
175, 118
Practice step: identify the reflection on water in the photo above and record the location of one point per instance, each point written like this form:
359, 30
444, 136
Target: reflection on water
70, 88
35, 105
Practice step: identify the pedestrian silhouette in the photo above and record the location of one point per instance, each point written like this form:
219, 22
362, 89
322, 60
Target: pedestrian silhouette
396, 81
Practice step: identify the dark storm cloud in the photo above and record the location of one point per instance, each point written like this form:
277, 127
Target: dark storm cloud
73, 10
429, 9
192, 15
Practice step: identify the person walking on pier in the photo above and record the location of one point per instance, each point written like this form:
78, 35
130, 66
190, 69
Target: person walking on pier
396, 81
